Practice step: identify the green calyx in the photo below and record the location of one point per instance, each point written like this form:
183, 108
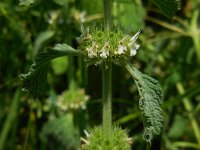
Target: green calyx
98, 46
96, 140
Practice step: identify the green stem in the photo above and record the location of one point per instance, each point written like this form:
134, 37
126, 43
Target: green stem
71, 74
189, 108
195, 33
107, 15
107, 96
107, 76
9, 120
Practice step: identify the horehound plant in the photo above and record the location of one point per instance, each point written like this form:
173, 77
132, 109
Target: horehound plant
104, 47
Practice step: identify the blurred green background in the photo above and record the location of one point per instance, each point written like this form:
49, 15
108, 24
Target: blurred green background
170, 52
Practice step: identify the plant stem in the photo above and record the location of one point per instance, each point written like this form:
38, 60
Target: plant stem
9, 120
107, 95
107, 15
71, 74
107, 77
189, 108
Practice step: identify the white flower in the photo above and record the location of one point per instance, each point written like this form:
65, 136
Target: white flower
133, 51
104, 53
105, 50
134, 47
92, 54
92, 51
121, 49
137, 46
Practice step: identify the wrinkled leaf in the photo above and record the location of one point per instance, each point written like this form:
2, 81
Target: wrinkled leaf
35, 80
168, 7
149, 103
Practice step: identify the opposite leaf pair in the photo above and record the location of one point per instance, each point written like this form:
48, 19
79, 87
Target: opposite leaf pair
149, 89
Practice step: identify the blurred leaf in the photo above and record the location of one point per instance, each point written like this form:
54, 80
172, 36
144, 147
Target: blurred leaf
129, 15
65, 48
184, 144
10, 119
96, 6
127, 118
168, 7
41, 38
26, 2
61, 2
192, 91
178, 128
151, 97
60, 134
60, 65
35, 80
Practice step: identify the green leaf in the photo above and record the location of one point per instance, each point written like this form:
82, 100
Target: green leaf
41, 38
168, 7
178, 127
60, 65
151, 97
26, 2
60, 133
35, 80
131, 11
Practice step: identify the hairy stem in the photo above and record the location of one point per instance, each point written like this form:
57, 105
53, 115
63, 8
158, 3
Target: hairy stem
107, 15
107, 77
107, 103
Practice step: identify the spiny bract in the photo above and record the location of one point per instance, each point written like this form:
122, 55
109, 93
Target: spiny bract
96, 140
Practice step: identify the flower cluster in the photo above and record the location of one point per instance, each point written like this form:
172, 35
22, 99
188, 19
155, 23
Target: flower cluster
69, 100
98, 47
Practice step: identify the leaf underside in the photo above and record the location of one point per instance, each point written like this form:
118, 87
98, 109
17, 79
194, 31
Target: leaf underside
151, 97
35, 80
168, 7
